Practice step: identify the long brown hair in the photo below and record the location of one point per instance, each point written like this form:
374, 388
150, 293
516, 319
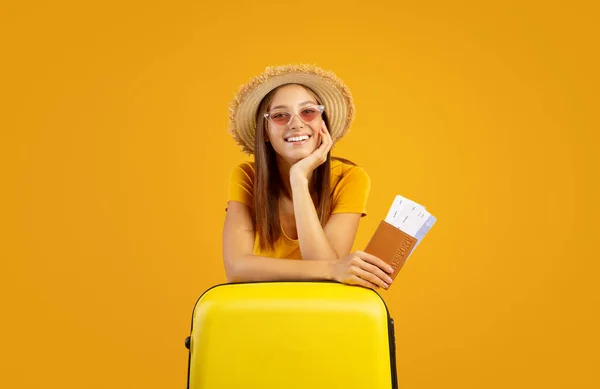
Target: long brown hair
268, 187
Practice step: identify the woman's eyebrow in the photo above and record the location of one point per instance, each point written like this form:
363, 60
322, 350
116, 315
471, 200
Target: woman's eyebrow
302, 103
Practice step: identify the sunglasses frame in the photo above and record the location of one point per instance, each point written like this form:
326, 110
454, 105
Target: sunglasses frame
320, 108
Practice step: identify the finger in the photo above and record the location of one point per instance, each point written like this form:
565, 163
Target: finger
321, 138
368, 276
323, 125
327, 141
325, 132
328, 134
355, 280
323, 146
329, 145
318, 151
326, 147
375, 261
377, 272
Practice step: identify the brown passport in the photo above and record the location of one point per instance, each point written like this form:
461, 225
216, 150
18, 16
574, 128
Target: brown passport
391, 245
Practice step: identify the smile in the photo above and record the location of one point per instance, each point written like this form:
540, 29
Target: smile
297, 139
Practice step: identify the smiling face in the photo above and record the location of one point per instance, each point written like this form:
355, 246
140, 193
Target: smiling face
297, 139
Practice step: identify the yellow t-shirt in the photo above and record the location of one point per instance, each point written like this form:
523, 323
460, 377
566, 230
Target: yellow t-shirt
350, 186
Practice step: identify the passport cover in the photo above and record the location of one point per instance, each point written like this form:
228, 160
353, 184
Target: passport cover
391, 245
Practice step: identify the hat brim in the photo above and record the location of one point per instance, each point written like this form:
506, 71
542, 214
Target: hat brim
334, 95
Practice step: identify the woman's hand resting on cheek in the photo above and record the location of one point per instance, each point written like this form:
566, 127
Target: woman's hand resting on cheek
364, 269
304, 168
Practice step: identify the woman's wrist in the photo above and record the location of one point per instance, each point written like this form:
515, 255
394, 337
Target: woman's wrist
326, 269
297, 179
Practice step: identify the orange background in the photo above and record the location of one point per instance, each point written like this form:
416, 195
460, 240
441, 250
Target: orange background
116, 160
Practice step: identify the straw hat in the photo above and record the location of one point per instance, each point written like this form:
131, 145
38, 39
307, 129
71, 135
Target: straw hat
332, 91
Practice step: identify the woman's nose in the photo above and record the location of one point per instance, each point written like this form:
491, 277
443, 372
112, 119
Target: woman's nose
296, 121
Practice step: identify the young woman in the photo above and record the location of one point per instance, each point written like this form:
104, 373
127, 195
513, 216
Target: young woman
293, 212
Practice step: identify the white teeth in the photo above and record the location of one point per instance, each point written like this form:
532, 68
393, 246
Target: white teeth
297, 138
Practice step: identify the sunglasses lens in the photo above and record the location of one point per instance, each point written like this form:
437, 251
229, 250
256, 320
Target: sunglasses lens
280, 118
309, 114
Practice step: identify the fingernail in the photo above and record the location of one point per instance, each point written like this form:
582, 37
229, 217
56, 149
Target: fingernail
390, 269
386, 285
389, 280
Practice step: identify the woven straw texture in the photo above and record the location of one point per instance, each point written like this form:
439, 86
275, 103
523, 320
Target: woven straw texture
335, 96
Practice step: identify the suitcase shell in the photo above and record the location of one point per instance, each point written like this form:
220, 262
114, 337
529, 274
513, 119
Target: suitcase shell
291, 335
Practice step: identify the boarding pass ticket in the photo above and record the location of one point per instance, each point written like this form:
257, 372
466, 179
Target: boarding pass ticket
410, 217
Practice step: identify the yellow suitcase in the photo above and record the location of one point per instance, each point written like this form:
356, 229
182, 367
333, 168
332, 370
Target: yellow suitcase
291, 335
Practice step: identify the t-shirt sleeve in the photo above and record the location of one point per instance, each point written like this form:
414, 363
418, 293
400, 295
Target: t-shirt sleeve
352, 191
241, 184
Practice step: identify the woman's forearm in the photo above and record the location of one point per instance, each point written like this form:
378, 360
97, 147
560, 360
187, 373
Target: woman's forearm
313, 241
249, 268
